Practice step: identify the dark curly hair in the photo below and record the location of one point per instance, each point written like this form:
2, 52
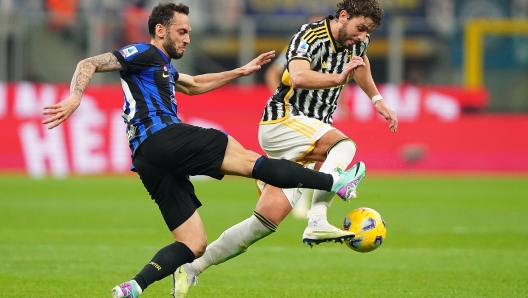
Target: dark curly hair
163, 14
366, 8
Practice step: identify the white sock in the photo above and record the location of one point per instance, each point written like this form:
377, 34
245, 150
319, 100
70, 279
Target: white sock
300, 208
341, 156
232, 242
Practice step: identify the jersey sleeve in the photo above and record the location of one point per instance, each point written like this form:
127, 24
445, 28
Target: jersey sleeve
132, 57
299, 47
174, 71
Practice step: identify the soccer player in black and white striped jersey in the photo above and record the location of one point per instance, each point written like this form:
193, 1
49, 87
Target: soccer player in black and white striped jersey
296, 125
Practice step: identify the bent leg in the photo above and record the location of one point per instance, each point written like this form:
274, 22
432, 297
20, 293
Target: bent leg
339, 151
271, 209
192, 234
273, 204
175, 197
237, 160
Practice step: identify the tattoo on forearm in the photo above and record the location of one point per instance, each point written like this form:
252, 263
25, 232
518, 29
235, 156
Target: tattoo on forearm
86, 68
81, 77
106, 62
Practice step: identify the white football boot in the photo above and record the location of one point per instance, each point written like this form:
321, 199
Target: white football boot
183, 279
319, 231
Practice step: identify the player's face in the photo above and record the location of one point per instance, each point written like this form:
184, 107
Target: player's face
354, 31
178, 36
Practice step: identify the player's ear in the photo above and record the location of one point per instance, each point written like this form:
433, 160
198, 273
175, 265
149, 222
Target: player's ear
160, 30
343, 16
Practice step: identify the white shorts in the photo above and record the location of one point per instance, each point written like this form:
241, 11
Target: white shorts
291, 139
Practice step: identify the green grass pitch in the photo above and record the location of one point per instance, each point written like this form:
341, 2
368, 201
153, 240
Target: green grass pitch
447, 236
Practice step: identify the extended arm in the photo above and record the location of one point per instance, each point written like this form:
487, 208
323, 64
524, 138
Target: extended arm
363, 78
83, 74
193, 85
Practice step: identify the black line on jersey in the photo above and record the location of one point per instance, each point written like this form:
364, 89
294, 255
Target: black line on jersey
330, 116
311, 103
366, 42
135, 90
330, 94
164, 91
300, 101
299, 58
150, 99
333, 42
324, 106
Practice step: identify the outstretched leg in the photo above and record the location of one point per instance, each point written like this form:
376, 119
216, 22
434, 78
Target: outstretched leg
237, 239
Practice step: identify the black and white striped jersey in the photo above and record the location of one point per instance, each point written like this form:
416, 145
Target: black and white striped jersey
313, 42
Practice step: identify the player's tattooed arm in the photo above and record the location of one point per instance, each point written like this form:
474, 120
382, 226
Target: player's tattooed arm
87, 67
62, 110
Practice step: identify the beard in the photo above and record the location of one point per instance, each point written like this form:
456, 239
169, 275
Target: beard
342, 36
169, 47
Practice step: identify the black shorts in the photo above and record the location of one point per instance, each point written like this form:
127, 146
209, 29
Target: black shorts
166, 159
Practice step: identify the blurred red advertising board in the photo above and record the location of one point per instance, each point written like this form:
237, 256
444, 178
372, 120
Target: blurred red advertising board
434, 133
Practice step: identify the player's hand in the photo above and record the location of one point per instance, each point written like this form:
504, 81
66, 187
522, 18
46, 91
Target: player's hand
350, 69
257, 63
388, 114
61, 111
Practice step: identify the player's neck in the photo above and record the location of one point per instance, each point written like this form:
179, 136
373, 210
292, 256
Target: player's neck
158, 44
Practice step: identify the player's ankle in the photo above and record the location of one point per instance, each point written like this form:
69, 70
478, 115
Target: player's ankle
315, 212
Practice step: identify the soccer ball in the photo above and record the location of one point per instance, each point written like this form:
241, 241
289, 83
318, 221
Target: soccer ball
369, 227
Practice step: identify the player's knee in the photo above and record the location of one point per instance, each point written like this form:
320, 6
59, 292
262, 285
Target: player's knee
200, 251
273, 204
197, 246
239, 161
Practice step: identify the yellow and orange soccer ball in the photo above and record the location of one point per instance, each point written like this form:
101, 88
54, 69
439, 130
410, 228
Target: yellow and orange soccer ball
369, 227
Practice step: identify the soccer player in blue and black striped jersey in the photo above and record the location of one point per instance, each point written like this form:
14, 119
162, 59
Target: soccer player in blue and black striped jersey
165, 151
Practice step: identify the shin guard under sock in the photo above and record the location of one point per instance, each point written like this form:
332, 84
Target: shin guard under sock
288, 174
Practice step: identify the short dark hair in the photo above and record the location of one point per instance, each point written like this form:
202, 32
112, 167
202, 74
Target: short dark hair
163, 14
366, 8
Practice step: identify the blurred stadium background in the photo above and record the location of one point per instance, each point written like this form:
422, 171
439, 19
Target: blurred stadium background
455, 71
452, 184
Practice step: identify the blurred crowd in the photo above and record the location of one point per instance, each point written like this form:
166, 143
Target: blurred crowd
128, 17
432, 37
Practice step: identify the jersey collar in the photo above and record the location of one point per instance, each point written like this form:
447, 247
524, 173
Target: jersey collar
165, 57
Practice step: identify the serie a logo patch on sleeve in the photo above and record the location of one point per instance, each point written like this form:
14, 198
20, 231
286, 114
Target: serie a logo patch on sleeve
302, 49
129, 51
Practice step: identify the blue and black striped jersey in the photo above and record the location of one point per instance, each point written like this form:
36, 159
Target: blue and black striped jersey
149, 84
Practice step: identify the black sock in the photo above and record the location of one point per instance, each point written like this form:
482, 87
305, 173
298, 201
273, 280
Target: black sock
164, 263
288, 174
